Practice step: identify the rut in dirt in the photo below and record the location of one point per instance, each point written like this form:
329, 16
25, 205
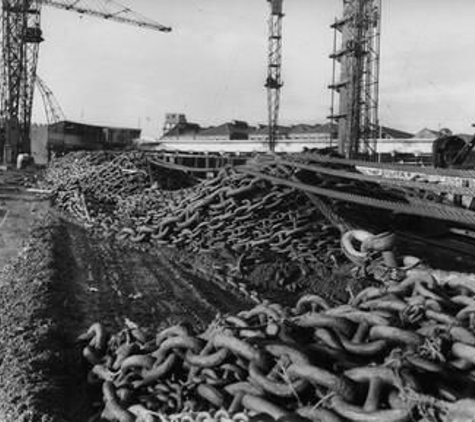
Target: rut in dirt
103, 281
110, 283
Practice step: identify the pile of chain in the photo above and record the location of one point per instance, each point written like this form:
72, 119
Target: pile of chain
232, 212
88, 185
404, 351
92, 186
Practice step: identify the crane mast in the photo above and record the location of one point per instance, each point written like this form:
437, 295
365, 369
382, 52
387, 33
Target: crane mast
274, 76
21, 36
356, 89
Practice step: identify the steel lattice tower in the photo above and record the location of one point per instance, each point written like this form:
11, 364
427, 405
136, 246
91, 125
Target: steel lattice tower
21, 36
274, 76
357, 86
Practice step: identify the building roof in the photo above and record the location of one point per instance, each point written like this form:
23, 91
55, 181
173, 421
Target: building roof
395, 133
427, 134
226, 129
87, 125
182, 129
326, 128
221, 130
329, 127
305, 128
264, 130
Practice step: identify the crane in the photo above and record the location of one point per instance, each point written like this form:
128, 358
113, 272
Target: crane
274, 75
357, 85
21, 36
54, 112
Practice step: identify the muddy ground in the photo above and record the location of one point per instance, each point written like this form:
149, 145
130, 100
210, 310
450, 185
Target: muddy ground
62, 281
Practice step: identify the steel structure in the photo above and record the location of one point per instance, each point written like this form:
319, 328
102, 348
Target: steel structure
355, 92
21, 36
274, 75
53, 111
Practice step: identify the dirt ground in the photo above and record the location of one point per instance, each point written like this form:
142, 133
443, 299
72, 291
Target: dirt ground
63, 280
17, 214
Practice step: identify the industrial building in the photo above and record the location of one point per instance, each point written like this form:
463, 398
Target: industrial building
239, 136
68, 136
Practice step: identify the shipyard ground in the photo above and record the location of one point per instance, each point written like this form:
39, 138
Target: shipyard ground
60, 279
61, 282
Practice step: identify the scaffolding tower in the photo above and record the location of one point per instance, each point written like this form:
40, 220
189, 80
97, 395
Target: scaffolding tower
274, 75
355, 88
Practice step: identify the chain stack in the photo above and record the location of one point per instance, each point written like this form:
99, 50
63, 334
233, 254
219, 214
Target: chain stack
114, 196
404, 351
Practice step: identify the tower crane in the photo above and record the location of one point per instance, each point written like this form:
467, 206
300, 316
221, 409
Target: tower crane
20, 39
274, 75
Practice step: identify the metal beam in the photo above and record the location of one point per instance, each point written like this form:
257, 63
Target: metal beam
123, 14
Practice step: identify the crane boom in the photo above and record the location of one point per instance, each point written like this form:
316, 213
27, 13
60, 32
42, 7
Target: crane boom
54, 112
111, 10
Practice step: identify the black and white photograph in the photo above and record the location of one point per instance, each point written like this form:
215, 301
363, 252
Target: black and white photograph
237, 211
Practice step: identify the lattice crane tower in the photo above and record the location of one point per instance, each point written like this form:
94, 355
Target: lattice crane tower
20, 39
355, 94
274, 75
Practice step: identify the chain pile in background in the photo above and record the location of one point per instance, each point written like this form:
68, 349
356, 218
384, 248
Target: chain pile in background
253, 221
90, 185
404, 351
340, 181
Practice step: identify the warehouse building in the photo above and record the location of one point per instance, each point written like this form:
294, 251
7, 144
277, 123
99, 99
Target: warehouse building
240, 137
228, 137
66, 136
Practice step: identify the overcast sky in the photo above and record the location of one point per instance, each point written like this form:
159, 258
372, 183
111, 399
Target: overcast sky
212, 66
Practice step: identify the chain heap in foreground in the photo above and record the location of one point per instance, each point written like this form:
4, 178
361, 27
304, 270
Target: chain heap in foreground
401, 352
233, 212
